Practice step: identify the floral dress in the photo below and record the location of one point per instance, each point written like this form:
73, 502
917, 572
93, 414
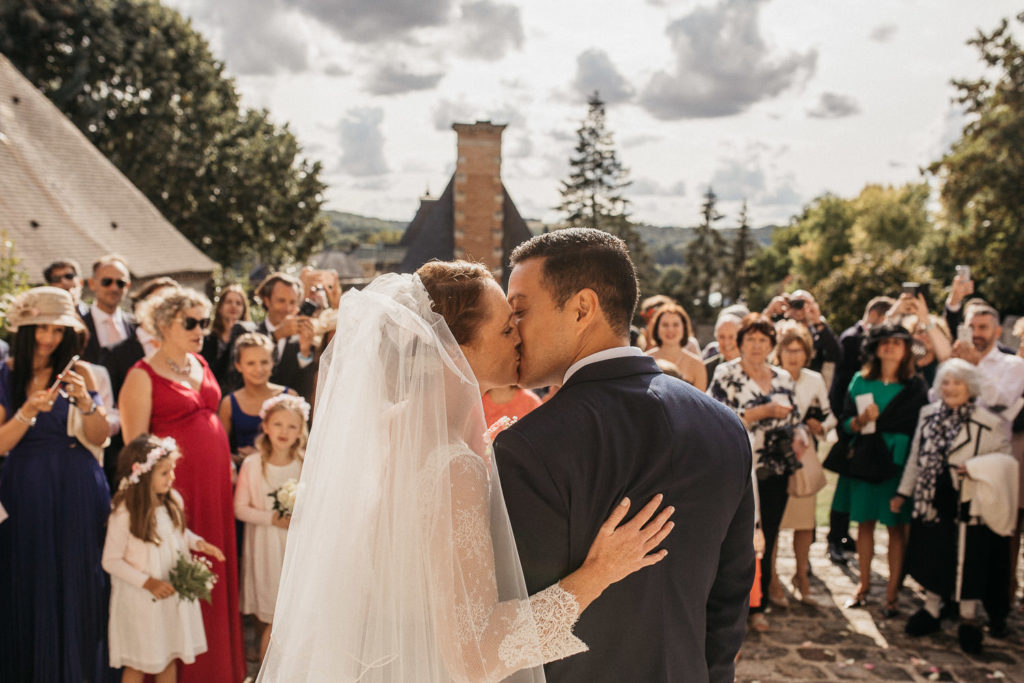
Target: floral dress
771, 439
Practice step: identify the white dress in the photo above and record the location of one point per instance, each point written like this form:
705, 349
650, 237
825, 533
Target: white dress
144, 633
263, 543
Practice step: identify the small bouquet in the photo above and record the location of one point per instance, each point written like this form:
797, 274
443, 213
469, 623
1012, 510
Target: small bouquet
193, 577
284, 498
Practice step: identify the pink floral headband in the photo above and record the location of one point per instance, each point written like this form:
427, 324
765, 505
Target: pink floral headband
162, 449
288, 401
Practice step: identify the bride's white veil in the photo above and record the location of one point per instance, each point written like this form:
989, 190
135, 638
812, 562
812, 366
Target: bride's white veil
371, 569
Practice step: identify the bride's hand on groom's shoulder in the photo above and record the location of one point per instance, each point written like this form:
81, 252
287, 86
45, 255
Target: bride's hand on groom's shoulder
622, 548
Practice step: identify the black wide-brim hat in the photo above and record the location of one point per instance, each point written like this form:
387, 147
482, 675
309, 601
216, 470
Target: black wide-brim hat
877, 333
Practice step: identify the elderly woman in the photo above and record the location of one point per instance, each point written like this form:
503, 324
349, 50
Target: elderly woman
53, 603
793, 353
763, 397
175, 394
670, 330
232, 307
951, 432
878, 419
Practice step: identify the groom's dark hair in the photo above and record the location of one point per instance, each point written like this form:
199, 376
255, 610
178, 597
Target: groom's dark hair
585, 258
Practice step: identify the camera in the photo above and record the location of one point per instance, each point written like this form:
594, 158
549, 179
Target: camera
308, 308
964, 272
797, 304
915, 288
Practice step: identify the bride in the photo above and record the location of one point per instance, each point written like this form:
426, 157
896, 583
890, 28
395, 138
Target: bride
400, 563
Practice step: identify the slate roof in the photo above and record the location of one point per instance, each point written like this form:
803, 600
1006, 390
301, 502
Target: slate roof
60, 197
431, 233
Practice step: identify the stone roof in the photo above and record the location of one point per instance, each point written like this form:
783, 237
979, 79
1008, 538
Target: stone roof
60, 197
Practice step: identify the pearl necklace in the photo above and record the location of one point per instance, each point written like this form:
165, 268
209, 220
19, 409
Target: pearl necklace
179, 370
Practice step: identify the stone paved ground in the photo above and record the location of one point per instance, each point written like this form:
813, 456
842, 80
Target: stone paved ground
830, 643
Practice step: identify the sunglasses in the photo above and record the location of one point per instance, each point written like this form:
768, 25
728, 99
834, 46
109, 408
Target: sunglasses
192, 323
107, 281
66, 276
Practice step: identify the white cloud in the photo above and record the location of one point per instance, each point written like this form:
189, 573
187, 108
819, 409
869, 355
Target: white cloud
362, 143
595, 71
395, 79
722, 65
883, 33
489, 30
446, 112
369, 21
834, 106
649, 187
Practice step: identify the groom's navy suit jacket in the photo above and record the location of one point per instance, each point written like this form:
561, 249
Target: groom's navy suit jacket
621, 428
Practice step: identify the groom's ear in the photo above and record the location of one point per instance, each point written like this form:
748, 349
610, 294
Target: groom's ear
587, 306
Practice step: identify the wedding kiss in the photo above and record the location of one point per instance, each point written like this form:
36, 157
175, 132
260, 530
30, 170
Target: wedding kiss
419, 553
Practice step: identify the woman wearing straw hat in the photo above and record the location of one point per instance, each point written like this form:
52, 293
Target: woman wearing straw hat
53, 607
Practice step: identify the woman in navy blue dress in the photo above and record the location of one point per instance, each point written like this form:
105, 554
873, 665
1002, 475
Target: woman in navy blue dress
53, 591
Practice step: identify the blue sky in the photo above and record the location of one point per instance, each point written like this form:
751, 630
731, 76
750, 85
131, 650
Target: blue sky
772, 101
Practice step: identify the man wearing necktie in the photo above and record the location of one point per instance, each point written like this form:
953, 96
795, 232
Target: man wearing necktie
106, 322
294, 356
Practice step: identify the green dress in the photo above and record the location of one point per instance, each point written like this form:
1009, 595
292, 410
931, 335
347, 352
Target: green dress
870, 502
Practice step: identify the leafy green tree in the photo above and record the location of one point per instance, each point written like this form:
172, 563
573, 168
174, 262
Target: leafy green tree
672, 282
771, 267
13, 279
890, 217
982, 223
825, 228
862, 276
592, 195
705, 257
142, 85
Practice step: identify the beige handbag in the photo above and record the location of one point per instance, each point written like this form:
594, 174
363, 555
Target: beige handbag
810, 478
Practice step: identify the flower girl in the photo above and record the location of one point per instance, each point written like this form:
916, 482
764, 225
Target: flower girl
150, 628
264, 498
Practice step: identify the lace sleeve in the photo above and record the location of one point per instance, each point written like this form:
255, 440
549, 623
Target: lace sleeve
489, 638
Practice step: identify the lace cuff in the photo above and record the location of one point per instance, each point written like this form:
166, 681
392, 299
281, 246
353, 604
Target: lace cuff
549, 617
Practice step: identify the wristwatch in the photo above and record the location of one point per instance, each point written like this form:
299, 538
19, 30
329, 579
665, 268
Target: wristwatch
87, 413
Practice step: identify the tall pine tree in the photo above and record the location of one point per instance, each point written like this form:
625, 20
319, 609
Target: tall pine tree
704, 257
741, 250
592, 196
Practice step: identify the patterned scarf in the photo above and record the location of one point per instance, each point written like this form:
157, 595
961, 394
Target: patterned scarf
937, 434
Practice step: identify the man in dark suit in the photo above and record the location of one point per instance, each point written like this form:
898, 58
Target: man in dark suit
619, 427
106, 322
66, 274
294, 361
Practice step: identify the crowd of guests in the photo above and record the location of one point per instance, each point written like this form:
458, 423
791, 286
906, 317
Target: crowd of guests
137, 430
141, 428
918, 413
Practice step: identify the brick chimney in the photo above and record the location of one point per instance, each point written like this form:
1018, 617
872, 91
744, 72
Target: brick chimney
478, 199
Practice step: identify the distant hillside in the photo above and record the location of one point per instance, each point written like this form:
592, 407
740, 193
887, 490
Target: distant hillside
666, 244
657, 237
346, 229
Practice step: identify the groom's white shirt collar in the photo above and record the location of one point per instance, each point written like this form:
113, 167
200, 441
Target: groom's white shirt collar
607, 354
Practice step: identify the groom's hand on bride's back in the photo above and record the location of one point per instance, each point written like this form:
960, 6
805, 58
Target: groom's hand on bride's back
622, 548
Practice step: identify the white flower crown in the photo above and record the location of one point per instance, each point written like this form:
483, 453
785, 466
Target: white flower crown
287, 401
161, 449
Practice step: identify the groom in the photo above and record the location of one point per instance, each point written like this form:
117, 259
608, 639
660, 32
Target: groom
619, 427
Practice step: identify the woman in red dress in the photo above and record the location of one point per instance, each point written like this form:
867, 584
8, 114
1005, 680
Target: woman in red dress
175, 394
